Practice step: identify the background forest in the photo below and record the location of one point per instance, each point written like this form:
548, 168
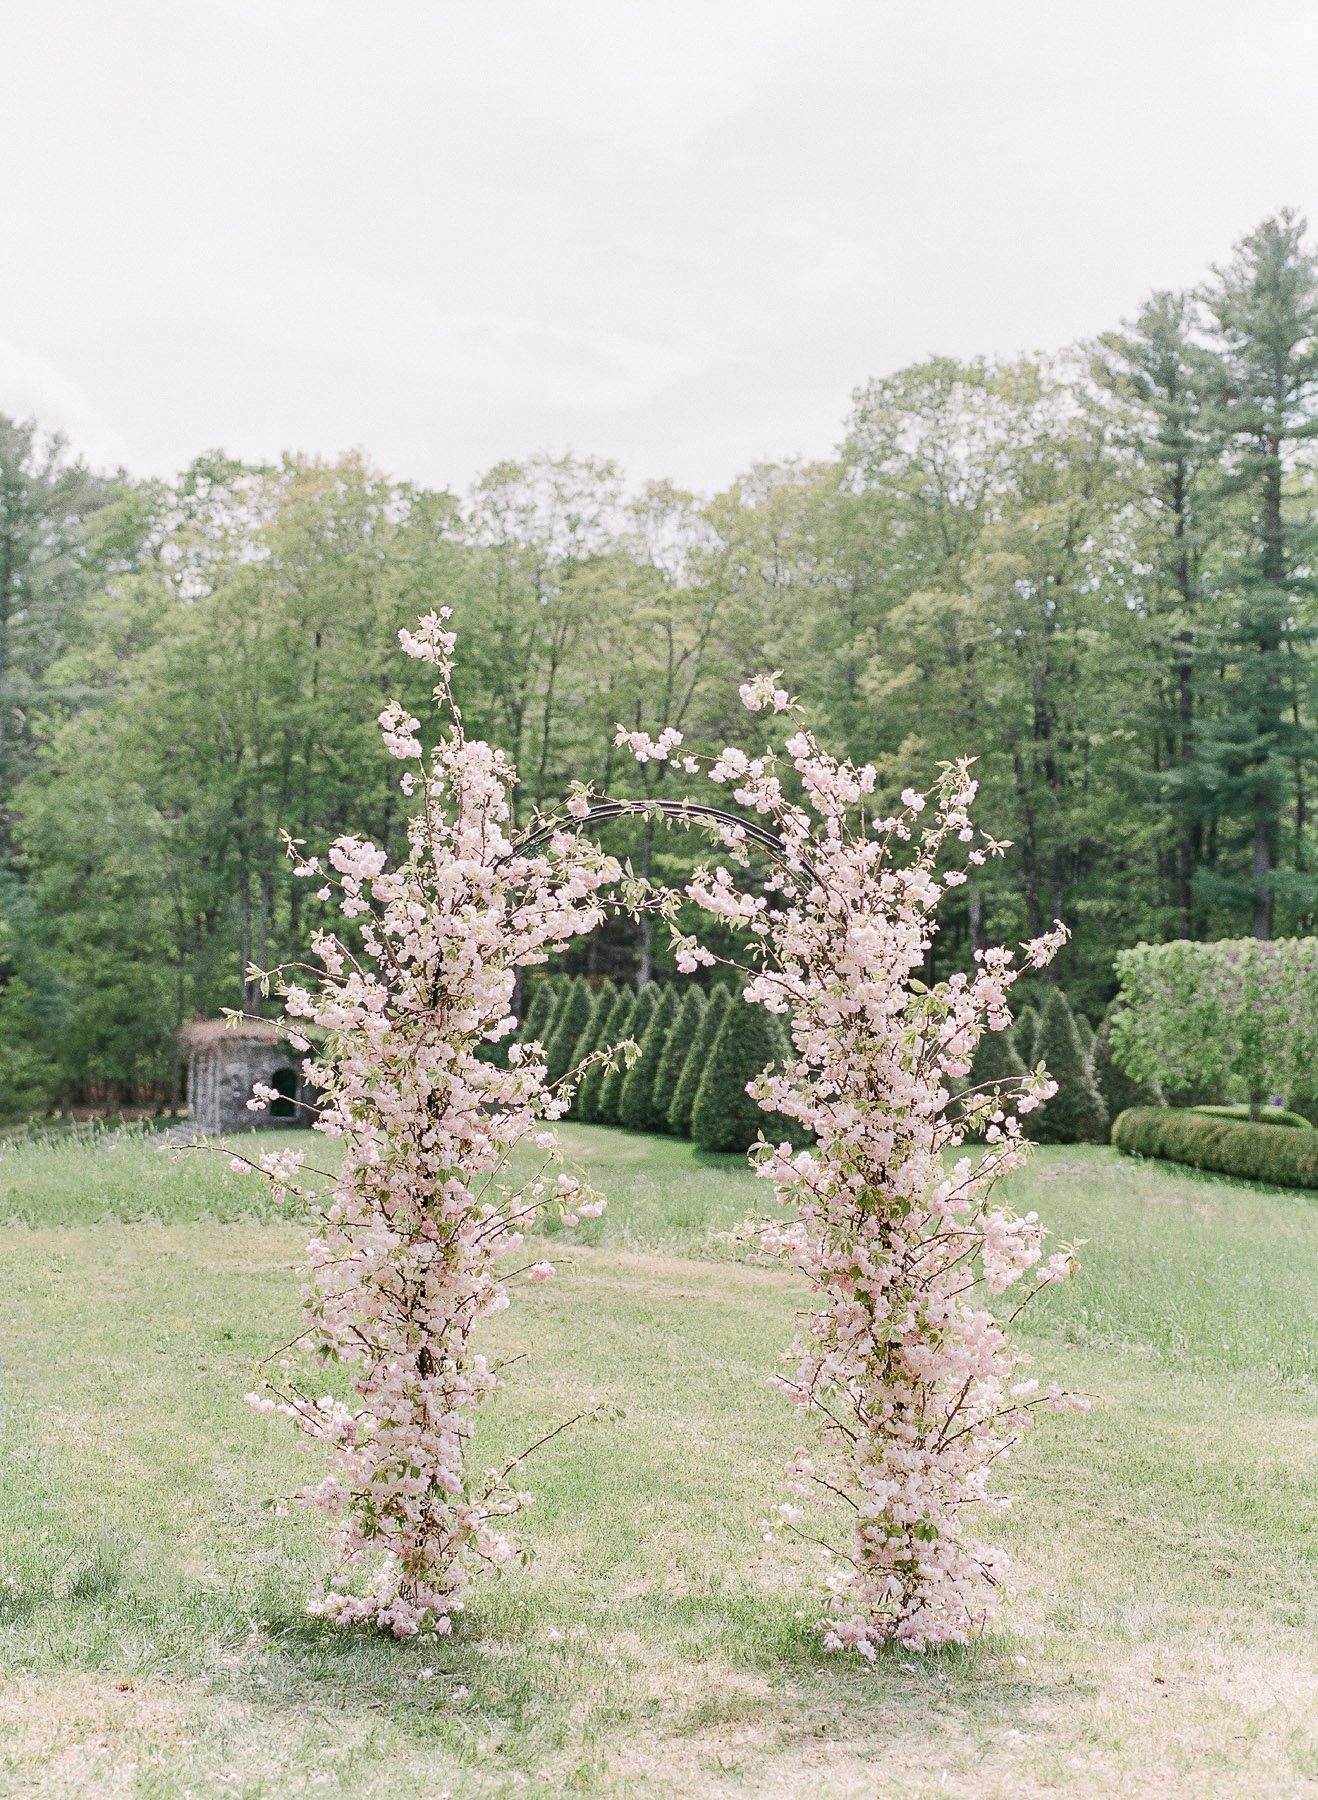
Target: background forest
1093, 571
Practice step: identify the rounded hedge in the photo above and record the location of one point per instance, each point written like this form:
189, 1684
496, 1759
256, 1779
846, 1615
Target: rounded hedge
1226, 1146
723, 1115
1268, 1115
640, 1105
697, 1060
1076, 1113
612, 1027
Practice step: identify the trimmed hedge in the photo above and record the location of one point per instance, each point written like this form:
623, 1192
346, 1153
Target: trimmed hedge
1268, 1115
1076, 1113
571, 1017
995, 1063
537, 1020
1119, 1090
1025, 1035
677, 1047
641, 1107
723, 1116
1226, 1146
613, 1027
634, 1026
1085, 1032
684, 1094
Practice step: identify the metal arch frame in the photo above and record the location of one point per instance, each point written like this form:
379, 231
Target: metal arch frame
668, 809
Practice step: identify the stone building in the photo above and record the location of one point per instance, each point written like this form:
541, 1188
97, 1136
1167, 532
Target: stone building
224, 1061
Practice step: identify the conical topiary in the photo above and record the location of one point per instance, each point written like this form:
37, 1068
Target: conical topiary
1076, 1113
571, 1016
996, 1063
697, 1059
1025, 1035
1085, 1032
677, 1047
1119, 1090
639, 1107
537, 1020
632, 1026
723, 1116
612, 1027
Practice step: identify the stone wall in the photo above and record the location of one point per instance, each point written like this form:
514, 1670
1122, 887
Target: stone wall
221, 1076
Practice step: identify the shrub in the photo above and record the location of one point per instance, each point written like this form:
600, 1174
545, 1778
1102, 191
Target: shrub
612, 1027
697, 1060
677, 1047
1227, 1146
537, 1020
1025, 1035
1119, 1090
634, 1026
723, 1115
1076, 1113
1085, 1032
995, 1063
641, 1106
1268, 1115
571, 1017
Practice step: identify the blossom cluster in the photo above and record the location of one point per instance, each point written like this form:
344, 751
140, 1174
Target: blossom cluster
406, 1001
905, 1367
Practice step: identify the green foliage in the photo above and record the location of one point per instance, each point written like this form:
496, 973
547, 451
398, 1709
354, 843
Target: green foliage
1025, 1034
1229, 1146
1119, 1090
642, 1105
538, 1019
995, 1063
614, 1012
697, 1061
677, 1047
1076, 1113
723, 1115
1239, 1016
1268, 1115
637, 1021
571, 1017
1085, 1032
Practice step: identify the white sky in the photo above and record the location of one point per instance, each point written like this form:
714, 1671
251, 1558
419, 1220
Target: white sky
676, 232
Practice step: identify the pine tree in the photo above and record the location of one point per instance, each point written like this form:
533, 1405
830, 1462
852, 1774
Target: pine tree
640, 1105
1085, 1032
697, 1060
723, 1116
995, 1062
633, 1026
1264, 308
1025, 1034
677, 1047
612, 1027
1076, 1113
571, 1016
1118, 1089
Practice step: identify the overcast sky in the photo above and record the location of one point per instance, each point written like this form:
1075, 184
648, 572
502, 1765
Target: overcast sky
674, 232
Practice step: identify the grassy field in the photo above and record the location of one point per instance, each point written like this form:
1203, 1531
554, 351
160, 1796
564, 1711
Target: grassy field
1158, 1641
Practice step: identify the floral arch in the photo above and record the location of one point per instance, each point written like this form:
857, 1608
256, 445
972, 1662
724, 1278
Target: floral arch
905, 1370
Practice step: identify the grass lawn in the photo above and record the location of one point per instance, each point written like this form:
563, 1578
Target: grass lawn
1158, 1641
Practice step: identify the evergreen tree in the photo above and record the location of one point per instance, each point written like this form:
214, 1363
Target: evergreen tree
571, 1016
1076, 1113
723, 1116
638, 1017
697, 1060
612, 1028
641, 1104
1264, 307
1118, 1089
1085, 1032
1024, 1035
537, 1020
677, 1047
995, 1062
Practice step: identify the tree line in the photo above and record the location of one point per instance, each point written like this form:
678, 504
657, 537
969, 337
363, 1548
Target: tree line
1094, 571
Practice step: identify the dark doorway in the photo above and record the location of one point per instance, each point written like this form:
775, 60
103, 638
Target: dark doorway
285, 1082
